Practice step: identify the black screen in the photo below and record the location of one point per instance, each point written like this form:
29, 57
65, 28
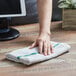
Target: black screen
10, 7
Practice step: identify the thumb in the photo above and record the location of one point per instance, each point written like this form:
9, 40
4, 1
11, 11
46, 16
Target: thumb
33, 45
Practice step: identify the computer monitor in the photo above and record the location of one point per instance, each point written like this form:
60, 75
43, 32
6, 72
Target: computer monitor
12, 8
8, 9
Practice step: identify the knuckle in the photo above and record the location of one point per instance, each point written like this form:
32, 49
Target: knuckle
40, 39
45, 47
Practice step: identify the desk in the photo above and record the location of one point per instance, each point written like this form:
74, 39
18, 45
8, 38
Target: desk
64, 65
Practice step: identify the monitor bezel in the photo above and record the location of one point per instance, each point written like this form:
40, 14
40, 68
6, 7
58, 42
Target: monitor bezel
23, 11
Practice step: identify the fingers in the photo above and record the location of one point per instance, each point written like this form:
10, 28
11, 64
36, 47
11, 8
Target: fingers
49, 49
33, 45
40, 47
45, 48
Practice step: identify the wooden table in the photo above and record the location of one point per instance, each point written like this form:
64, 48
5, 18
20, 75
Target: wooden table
64, 65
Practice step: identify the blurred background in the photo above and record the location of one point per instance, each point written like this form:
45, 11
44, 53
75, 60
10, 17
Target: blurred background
32, 14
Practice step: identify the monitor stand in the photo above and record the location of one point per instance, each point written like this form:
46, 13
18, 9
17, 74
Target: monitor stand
7, 33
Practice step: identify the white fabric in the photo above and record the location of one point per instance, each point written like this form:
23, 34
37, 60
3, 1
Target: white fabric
30, 56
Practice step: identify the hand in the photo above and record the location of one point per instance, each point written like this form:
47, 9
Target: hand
43, 43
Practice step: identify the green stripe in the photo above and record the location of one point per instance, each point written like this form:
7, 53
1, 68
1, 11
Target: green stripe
27, 55
35, 53
56, 45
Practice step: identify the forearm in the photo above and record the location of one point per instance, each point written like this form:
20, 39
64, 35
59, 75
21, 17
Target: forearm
45, 14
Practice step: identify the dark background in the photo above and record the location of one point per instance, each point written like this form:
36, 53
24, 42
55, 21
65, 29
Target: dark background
10, 7
32, 14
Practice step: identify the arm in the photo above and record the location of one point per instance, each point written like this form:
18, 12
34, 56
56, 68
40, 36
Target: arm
45, 14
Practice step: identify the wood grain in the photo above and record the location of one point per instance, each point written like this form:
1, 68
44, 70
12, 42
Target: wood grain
64, 65
69, 18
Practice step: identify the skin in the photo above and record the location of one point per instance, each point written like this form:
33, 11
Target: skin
45, 15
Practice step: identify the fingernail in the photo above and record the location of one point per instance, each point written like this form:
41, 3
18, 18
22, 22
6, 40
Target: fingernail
45, 54
49, 53
30, 47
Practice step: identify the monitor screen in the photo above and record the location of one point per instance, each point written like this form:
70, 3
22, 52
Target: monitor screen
12, 8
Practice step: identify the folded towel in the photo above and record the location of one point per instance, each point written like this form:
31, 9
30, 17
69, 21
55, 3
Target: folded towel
30, 56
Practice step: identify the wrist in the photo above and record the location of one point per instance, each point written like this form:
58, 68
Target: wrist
45, 33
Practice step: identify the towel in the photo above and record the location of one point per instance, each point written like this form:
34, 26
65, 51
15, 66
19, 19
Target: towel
30, 56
